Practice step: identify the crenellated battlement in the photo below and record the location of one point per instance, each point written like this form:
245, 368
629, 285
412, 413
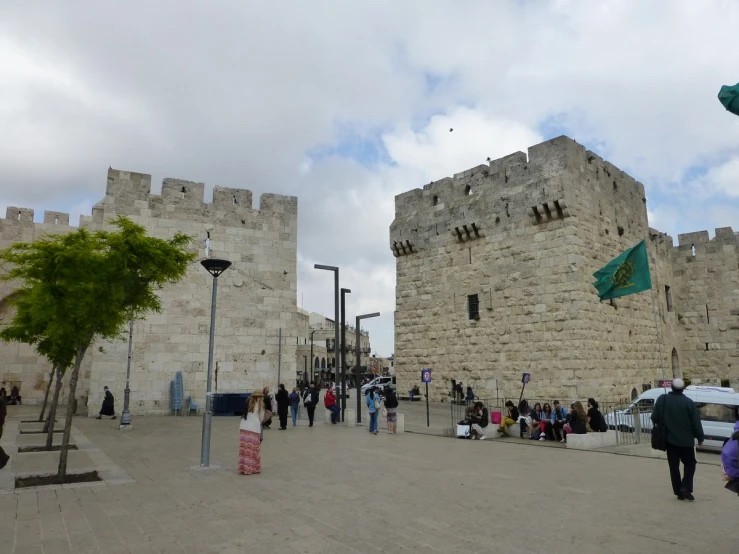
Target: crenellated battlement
129, 189
557, 179
129, 194
19, 215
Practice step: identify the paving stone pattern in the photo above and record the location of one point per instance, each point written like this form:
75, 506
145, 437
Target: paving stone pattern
335, 489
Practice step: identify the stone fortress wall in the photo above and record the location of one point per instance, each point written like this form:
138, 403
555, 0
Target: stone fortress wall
520, 238
256, 296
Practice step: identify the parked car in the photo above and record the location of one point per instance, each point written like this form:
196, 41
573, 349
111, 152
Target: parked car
379, 383
718, 408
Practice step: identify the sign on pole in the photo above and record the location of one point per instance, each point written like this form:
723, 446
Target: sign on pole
524, 379
426, 379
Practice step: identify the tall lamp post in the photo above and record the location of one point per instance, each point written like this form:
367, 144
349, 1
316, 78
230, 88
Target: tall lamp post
311, 355
336, 303
344, 292
126, 414
358, 359
215, 267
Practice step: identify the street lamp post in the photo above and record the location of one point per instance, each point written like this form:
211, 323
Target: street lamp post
126, 414
215, 267
358, 359
344, 292
336, 303
311, 355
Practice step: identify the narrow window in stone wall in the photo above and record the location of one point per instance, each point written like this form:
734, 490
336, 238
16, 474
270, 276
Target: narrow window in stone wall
467, 190
436, 200
473, 307
708, 317
668, 298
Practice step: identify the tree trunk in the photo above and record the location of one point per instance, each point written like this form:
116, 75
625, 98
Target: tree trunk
49, 427
62, 472
46, 396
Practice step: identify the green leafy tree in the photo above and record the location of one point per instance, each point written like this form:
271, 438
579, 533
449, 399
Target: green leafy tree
85, 286
31, 327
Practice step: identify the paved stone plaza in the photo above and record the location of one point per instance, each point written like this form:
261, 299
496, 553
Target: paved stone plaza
336, 489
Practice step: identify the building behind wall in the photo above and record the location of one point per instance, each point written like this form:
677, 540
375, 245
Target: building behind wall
256, 296
318, 330
494, 279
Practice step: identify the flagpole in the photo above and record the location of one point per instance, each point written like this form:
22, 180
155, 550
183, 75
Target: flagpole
659, 339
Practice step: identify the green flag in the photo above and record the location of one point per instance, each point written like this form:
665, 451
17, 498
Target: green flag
624, 275
729, 97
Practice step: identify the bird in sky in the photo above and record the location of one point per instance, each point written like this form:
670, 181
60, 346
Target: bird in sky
450, 130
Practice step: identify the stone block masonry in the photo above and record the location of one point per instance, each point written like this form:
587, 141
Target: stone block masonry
256, 296
494, 278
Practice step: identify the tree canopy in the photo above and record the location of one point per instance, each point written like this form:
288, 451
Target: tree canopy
86, 285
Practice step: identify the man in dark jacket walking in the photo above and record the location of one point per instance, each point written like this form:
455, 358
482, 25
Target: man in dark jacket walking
4, 458
679, 415
283, 405
310, 400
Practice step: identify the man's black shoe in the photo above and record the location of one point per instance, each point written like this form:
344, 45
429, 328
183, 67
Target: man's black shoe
680, 497
688, 496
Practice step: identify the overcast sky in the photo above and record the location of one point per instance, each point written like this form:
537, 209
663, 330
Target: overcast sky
348, 103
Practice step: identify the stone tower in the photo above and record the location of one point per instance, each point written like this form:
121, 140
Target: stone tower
494, 278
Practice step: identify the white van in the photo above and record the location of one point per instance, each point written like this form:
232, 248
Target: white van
378, 382
718, 408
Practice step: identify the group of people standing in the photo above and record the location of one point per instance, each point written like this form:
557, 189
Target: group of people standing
258, 413
376, 402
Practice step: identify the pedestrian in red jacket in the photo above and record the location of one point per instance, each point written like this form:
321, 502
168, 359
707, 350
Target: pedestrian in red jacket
329, 400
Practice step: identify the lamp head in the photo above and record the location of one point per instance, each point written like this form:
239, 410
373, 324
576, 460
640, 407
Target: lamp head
215, 266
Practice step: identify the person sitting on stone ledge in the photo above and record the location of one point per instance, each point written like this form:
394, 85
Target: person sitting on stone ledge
524, 416
536, 415
577, 419
479, 419
596, 421
546, 423
509, 419
557, 422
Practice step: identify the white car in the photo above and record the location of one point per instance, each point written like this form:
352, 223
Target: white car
378, 382
718, 408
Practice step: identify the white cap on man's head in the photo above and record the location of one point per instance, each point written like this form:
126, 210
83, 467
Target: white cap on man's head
678, 384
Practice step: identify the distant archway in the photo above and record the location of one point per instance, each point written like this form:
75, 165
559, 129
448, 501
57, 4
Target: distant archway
675, 364
317, 363
323, 363
634, 394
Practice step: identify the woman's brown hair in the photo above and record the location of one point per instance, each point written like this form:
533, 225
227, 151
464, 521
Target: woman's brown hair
580, 411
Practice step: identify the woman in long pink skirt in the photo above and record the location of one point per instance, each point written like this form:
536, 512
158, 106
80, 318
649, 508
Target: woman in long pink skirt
250, 428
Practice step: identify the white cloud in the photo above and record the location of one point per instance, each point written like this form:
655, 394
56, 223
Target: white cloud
240, 93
